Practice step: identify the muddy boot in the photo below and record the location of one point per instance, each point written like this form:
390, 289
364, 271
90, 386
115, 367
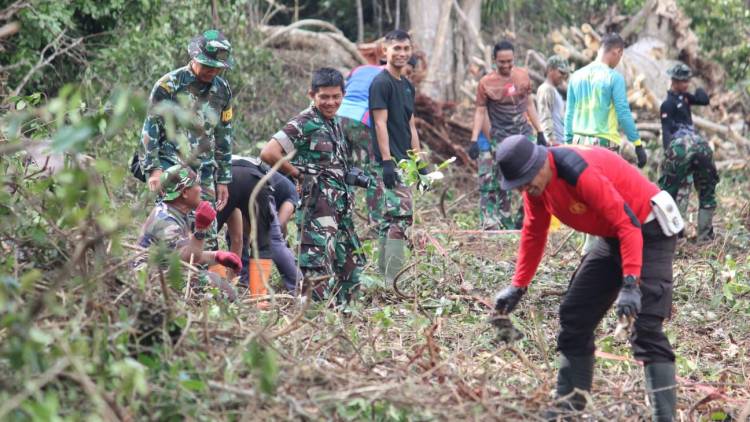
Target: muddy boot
395, 250
661, 387
576, 373
705, 225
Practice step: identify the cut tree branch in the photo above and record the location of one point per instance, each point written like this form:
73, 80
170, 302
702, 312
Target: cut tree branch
45, 61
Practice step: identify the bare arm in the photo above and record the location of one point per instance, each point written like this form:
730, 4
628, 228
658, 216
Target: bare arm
533, 116
481, 121
545, 103
272, 152
380, 119
234, 228
285, 213
194, 252
414, 136
486, 126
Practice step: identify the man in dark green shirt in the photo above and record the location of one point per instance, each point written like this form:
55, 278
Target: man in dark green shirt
393, 134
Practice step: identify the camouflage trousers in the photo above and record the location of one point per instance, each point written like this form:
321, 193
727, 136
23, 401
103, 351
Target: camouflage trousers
396, 206
208, 193
358, 136
330, 251
689, 159
495, 204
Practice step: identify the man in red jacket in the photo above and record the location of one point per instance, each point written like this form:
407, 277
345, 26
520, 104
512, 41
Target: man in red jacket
595, 191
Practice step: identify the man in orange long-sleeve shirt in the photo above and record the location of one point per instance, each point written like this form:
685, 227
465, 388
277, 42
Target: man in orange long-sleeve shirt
595, 191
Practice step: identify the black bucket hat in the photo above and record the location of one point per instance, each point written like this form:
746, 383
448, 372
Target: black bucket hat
519, 160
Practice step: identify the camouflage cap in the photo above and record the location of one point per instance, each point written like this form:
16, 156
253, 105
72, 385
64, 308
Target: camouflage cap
211, 48
680, 72
557, 62
175, 179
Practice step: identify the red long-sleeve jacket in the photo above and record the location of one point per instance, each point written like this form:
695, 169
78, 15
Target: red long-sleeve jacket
592, 190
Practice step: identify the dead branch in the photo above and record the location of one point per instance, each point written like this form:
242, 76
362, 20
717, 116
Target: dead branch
9, 29
637, 20
61, 45
10, 11
474, 34
334, 34
724, 130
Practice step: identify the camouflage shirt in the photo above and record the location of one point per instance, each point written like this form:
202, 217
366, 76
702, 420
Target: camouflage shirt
167, 225
320, 145
210, 133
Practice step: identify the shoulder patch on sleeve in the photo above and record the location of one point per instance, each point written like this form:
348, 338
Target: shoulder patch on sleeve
226, 115
569, 164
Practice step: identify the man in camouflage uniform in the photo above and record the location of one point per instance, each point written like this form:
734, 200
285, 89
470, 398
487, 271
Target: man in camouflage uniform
180, 222
329, 252
205, 143
688, 157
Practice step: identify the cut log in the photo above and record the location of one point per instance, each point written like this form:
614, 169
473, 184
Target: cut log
719, 129
443, 136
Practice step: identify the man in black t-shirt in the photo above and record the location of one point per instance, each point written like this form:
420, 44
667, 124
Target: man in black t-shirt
393, 134
281, 196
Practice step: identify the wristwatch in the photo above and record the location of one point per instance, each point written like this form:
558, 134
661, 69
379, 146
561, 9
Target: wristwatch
200, 235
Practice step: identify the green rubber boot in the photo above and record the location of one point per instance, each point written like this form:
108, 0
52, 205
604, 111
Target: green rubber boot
381, 256
576, 373
661, 387
705, 225
395, 255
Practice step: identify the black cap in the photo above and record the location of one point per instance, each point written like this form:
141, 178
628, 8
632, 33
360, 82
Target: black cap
519, 160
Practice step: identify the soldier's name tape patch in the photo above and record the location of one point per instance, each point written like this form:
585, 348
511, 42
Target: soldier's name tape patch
226, 115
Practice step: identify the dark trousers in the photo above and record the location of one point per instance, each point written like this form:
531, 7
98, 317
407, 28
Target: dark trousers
594, 288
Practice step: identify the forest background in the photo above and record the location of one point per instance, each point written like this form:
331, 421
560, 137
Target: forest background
80, 335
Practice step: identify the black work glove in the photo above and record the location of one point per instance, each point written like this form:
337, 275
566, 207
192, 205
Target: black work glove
389, 174
629, 300
423, 186
540, 139
642, 157
507, 299
473, 150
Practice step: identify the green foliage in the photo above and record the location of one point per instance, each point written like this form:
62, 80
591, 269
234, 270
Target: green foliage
723, 28
377, 410
263, 361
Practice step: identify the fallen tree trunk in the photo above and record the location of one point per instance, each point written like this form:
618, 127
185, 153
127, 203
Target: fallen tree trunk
332, 43
719, 129
444, 136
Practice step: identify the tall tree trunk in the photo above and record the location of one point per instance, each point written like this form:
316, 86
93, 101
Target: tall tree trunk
378, 12
215, 14
446, 60
424, 18
360, 22
397, 24
468, 41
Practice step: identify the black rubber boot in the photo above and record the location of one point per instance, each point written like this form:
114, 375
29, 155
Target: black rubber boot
661, 387
576, 372
705, 225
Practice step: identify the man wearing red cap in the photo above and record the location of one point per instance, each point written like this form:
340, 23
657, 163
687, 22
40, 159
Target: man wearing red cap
595, 191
